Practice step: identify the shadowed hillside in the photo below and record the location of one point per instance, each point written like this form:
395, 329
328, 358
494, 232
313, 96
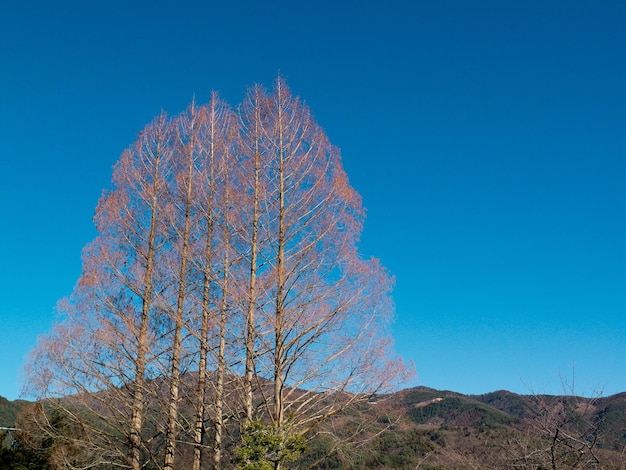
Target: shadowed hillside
9, 411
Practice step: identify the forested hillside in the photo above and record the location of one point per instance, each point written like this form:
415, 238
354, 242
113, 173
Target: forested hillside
9, 411
418, 428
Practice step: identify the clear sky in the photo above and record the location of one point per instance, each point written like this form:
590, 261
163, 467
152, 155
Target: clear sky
487, 138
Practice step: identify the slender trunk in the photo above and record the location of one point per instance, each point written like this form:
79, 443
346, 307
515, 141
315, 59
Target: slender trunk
250, 327
221, 363
221, 369
136, 421
278, 414
204, 347
206, 294
172, 422
171, 432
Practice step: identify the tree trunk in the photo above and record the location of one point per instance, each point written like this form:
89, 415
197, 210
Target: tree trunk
221, 362
136, 421
279, 365
207, 274
172, 421
250, 333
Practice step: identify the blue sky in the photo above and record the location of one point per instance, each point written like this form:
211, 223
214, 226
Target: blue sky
487, 138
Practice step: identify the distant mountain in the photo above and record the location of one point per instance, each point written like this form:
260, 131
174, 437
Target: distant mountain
433, 429
609, 413
510, 403
502, 429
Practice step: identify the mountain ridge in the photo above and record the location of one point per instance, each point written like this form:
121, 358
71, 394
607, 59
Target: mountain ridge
443, 429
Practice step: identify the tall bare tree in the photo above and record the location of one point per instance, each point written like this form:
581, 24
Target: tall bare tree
214, 143
324, 317
227, 244
188, 148
226, 165
102, 354
253, 156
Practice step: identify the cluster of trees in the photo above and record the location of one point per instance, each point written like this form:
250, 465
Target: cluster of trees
224, 291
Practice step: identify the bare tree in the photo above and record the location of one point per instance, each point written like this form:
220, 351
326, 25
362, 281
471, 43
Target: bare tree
564, 434
101, 355
226, 166
251, 147
323, 343
228, 245
214, 141
183, 190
